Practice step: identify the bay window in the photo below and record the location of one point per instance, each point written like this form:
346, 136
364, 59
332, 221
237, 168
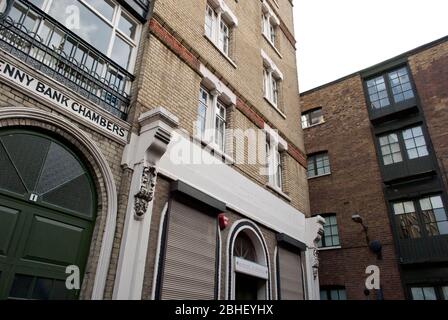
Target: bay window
391, 88
90, 46
421, 217
412, 140
103, 24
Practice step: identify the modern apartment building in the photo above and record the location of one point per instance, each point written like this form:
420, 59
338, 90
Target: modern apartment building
377, 148
153, 146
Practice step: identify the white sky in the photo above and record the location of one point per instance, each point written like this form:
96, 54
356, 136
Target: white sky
338, 37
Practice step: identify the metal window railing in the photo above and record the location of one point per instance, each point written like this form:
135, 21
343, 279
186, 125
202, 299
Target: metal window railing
40, 41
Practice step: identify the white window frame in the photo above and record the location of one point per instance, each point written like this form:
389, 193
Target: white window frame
212, 115
271, 90
119, 11
275, 148
271, 86
219, 24
269, 25
223, 119
275, 166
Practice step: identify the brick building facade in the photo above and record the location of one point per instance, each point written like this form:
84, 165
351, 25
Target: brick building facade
115, 112
377, 154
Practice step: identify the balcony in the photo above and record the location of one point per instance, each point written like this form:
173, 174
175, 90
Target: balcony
391, 95
42, 42
423, 250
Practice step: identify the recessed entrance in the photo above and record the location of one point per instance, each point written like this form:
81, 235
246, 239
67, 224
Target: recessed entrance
47, 214
250, 267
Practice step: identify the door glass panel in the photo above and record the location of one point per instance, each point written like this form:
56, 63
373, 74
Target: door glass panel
10, 179
28, 19
48, 169
121, 52
444, 291
42, 289
21, 287
91, 27
105, 7
60, 167
244, 248
20, 147
8, 221
38, 3
74, 195
60, 291
127, 26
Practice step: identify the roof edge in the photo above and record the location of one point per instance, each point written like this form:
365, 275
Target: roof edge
399, 57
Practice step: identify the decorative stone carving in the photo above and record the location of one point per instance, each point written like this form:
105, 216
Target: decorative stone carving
315, 263
315, 249
146, 193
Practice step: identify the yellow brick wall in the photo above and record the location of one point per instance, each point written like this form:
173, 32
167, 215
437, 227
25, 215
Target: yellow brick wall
166, 80
187, 18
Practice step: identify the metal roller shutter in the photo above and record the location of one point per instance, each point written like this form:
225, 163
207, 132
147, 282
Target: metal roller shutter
290, 271
190, 259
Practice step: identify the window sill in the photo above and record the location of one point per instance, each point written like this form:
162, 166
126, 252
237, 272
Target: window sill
272, 45
278, 191
221, 52
322, 175
315, 125
273, 105
215, 150
330, 248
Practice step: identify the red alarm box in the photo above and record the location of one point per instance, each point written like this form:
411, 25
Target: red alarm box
223, 221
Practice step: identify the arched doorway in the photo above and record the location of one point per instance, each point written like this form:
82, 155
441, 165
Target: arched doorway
47, 214
250, 266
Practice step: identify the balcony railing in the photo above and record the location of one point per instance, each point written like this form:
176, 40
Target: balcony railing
46, 45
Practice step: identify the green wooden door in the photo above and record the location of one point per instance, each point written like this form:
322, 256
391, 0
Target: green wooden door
47, 211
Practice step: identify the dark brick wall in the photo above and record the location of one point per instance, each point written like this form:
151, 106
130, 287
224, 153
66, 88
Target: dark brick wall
353, 187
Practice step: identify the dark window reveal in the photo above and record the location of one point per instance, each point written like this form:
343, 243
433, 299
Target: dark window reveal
331, 233
312, 117
333, 293
318, 165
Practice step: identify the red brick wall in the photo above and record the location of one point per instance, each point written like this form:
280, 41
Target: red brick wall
430, 72
355, 186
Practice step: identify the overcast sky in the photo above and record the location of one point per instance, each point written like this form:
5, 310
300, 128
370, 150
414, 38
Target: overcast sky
338, 37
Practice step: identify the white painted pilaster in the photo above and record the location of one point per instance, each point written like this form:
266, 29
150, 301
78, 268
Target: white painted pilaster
142, 154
